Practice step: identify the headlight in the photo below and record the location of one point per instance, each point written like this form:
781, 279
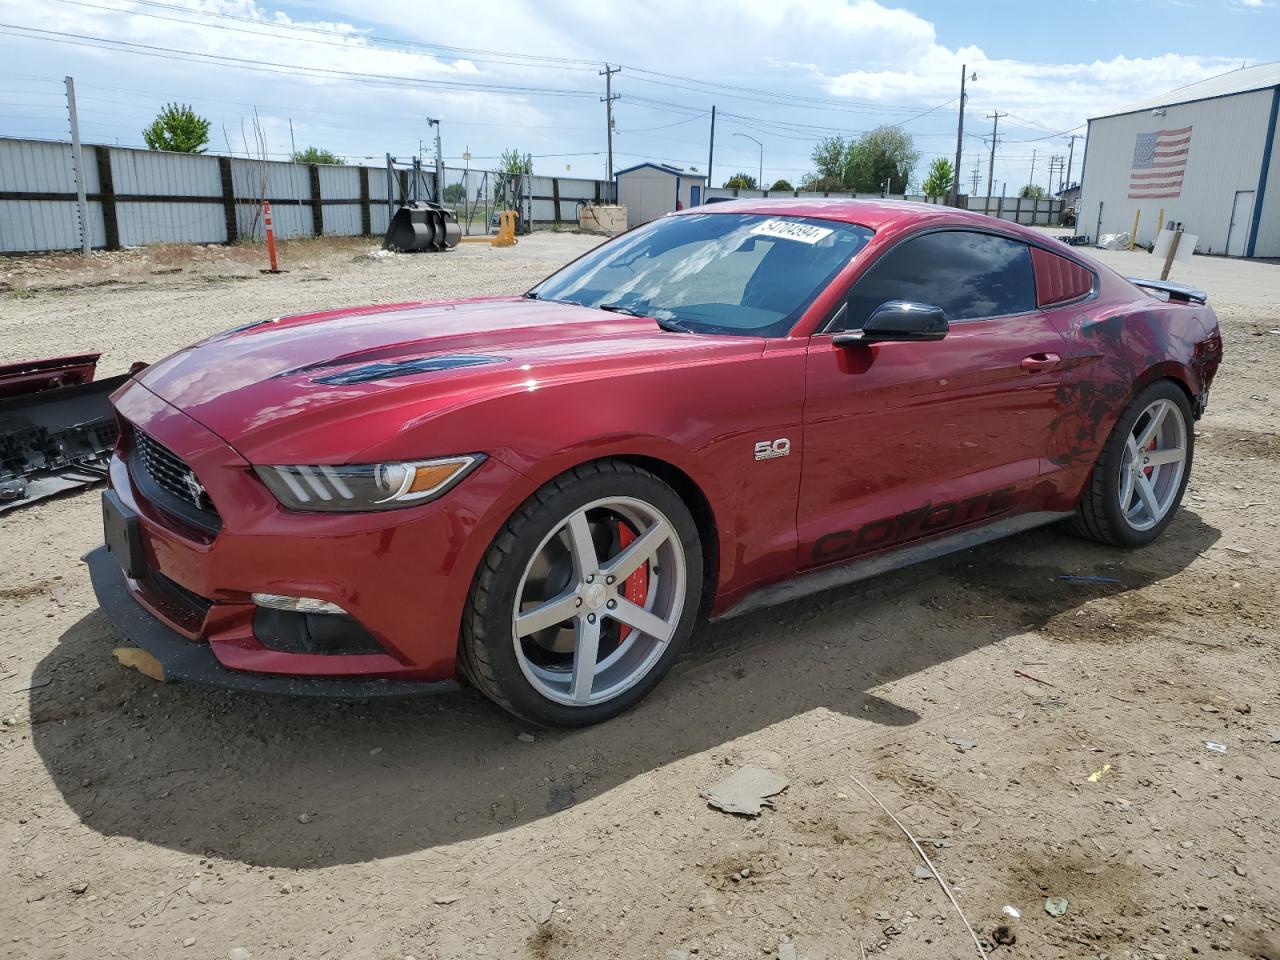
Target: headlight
371, 486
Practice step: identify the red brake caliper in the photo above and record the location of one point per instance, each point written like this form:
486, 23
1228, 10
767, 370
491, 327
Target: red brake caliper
1155, 442
636, 586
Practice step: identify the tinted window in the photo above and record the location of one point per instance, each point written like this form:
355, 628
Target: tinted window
968, 275
749, 274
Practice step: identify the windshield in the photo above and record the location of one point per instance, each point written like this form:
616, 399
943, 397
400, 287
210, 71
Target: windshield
747, 274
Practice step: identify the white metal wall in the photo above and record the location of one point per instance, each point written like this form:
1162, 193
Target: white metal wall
342, 219
1042, 212
1228, 138
179, 198
1267, 243
571, 190
37, 167
167, 174
647, 193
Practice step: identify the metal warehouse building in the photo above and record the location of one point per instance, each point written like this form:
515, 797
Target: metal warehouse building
1204, 155
652, 190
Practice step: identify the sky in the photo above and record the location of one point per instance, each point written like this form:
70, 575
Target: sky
361, 78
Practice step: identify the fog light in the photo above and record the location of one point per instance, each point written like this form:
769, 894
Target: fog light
277, 601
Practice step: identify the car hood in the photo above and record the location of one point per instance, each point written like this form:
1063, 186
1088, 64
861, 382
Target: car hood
259, 385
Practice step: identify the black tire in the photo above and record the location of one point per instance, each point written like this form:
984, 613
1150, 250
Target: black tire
1098, 515
487, 653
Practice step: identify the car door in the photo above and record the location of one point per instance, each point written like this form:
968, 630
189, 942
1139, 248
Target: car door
909, 439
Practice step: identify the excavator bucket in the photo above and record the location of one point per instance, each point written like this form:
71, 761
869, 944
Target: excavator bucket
422, 226
57, 428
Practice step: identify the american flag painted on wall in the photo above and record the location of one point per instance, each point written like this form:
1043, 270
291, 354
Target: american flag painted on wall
1159, 162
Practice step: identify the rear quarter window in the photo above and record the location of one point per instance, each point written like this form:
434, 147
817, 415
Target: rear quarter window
1059, 280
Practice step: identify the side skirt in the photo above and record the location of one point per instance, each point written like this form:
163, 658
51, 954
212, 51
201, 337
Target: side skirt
855, 570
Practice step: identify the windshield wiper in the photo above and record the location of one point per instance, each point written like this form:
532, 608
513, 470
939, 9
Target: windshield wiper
619, 308
672, 326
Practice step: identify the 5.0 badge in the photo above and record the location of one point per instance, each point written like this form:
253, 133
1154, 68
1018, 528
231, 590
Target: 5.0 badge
772, 449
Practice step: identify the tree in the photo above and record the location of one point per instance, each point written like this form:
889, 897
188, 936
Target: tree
514, 162
782, 185
830, 157
1032, 191
177, 128
863, 165
885, 153
319, 155
941, 175
744, 181
454, 193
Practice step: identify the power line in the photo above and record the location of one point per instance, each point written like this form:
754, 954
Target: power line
268, 66
351, 42
1060, 133
511, 57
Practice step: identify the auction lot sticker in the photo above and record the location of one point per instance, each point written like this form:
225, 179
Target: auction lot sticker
790, 230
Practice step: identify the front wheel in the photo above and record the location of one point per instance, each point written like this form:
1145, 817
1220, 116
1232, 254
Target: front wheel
1138, 481
585, 597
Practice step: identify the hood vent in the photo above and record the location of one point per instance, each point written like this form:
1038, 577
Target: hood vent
404, 368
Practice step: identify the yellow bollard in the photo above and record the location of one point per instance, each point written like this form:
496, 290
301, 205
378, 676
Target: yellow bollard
1133, 237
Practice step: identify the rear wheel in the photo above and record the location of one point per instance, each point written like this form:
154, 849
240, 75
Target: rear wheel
1140, 477
585, 597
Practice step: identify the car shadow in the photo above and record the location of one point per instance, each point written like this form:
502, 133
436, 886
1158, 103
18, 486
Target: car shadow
304, 783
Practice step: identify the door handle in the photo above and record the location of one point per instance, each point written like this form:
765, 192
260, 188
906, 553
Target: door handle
1040, 362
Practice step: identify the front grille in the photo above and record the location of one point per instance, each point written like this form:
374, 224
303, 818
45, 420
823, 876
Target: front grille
166, 480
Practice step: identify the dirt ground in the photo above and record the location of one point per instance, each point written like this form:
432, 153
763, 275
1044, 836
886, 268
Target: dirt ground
143, 820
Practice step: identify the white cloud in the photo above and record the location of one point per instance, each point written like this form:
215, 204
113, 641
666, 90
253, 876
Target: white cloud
883, 63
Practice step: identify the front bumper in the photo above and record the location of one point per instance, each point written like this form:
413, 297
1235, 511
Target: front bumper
195, 663
402, 575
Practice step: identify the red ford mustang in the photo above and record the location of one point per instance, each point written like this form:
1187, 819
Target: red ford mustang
724, 408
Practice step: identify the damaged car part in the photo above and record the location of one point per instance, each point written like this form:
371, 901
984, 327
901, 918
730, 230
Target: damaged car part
57, 427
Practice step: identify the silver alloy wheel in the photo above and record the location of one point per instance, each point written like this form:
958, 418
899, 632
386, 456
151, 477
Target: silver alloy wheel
1152, 468
578, 638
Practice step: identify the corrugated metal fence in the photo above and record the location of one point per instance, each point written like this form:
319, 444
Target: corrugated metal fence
143, 196
1028, 211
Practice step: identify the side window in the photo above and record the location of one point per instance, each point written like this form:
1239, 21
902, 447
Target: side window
969, 275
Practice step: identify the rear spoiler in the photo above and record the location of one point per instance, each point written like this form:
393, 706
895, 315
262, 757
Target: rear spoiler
1176, 292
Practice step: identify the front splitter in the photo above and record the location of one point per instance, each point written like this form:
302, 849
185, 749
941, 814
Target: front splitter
194, 662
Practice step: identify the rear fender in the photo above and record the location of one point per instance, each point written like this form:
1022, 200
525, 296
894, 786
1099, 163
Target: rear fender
1115, 356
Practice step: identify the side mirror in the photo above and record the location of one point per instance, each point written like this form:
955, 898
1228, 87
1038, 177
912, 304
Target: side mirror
898, 321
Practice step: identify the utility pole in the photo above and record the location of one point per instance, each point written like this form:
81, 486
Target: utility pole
1032, 181
711, 150
77, 163
973, 192
955, 180
293, 147
1071, 156
439, 194
991, 170
608, 98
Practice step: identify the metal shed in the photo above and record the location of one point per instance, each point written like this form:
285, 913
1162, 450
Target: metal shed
1203, 155
652, 190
